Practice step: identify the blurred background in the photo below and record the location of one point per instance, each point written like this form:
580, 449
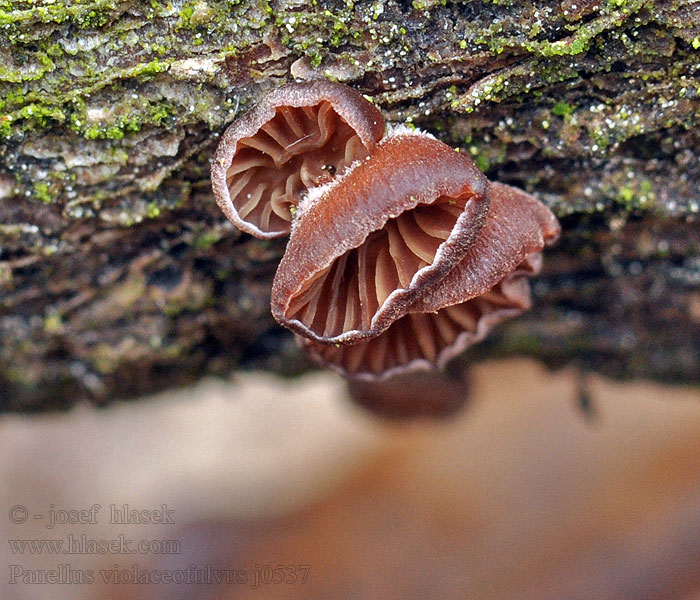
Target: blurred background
545, 485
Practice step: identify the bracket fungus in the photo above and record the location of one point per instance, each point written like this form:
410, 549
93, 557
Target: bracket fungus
298, 136
401, 253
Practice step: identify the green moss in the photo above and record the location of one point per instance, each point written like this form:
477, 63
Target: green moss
206, 240
315, 59
53, 323
13, 98
41, 110
147, 69
626, 194
115, 131
562, 109
95, 18
426, 4
5, 126
82, 14
40, 115
43, 65
41, 192
636, 196
482, 162
185, 16
579, 42
160, 112
152, 210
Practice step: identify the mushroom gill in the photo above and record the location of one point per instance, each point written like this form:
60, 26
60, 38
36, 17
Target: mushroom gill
366, 246
297, 137
426, 340
488, 285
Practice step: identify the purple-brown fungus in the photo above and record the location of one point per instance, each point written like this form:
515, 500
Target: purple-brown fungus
297, 137
488, 285
401, 253
396, 224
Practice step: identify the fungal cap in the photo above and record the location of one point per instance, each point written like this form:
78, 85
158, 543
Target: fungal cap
298, 135
368, 245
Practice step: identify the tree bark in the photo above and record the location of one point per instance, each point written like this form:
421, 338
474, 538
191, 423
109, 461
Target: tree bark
119, 275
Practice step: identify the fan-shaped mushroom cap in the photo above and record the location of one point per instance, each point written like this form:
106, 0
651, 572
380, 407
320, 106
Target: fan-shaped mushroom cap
487, 286
298, 136
366, 246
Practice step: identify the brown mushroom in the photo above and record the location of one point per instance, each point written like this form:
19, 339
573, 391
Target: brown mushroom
367, 246
401, 253
298, 136
487, 286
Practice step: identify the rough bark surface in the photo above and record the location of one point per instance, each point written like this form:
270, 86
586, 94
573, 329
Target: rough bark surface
119, 275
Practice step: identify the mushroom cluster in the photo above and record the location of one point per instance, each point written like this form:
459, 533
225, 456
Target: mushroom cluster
400, 254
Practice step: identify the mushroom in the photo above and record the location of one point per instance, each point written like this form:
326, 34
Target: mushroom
487, 286
365, 247
298, 136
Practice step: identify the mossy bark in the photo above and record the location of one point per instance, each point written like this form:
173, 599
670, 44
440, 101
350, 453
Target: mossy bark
119, 276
